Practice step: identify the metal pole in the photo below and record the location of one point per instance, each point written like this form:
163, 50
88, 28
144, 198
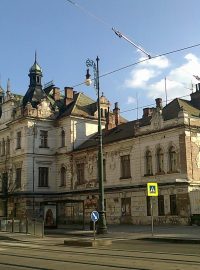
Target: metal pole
102, 229
152, 233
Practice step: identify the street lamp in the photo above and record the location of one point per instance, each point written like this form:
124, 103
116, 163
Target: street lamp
101, 229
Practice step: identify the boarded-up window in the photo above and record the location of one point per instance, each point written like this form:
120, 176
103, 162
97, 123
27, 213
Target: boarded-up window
126, 206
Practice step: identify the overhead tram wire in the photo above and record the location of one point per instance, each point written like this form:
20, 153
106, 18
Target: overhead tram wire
117, 32
89, 13
141, 61
133, 64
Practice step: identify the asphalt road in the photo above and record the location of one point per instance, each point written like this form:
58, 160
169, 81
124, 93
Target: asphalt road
123, 254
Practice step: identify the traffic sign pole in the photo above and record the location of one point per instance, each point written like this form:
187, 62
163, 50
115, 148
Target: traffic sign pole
152, 216
152, 191
94, 218
94, 227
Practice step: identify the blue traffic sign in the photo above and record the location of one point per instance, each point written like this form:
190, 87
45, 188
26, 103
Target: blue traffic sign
94, 216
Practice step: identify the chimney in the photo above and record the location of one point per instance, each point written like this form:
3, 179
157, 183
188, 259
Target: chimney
116, 111
159, 103
195, 97
197, 87
56, 93
147, 112
110, 120
69, 95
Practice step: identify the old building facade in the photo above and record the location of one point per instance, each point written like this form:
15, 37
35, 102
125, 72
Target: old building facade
48, 156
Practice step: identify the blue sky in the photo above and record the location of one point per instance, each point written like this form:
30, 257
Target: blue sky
65, 36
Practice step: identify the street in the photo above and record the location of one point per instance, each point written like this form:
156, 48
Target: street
122, 254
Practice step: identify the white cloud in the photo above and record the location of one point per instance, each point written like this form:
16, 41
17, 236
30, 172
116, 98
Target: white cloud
173, 89
140, 77
159, 62
131, 100
178, 80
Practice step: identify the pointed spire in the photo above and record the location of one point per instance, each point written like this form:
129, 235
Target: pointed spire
35, 56
8, 92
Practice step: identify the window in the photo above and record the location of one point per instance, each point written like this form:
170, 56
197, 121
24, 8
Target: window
62, 138
160, 161
173, 205
43, 138
43, 176
5, 183
148, 206
126, 206
172, 159
3, 147
80, 173
125, 166
148, 157
19, 136
18, 177
8, 146
161, 206
63, 177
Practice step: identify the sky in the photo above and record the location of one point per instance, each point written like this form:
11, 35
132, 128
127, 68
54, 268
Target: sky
65, 34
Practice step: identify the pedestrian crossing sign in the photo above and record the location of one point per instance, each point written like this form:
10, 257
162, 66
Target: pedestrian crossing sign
152, 189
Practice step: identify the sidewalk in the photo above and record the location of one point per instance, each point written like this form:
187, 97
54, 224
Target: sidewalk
186, 234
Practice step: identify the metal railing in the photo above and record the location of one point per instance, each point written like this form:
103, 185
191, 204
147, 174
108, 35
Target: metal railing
27, 226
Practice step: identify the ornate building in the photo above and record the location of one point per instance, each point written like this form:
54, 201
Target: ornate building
48, 156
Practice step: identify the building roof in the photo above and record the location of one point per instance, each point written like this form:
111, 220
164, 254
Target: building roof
81, 105
173, 108
127, 130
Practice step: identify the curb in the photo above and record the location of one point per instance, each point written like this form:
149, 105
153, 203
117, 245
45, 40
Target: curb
88, 243
171, 240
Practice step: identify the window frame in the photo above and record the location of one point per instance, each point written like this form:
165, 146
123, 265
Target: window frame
148, 163
63, 174
148, 202
161, 205
126, 207
43, 139
80, 171
43, 176
173, 205
160, 160
18, 178
19, 140
63, 138
125, 167
173, 159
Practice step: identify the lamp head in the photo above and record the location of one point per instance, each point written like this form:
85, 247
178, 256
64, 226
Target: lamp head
88, 81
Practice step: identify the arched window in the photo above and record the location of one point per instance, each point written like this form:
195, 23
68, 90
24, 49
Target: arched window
63, 138
63, 177
148, 157
160, 160
172, 159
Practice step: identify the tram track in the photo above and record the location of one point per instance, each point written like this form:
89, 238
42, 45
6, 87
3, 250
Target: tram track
117, 259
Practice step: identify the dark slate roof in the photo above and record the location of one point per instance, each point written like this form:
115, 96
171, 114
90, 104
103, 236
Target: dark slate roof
81, 105
172, 109
127, 130
121, 132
